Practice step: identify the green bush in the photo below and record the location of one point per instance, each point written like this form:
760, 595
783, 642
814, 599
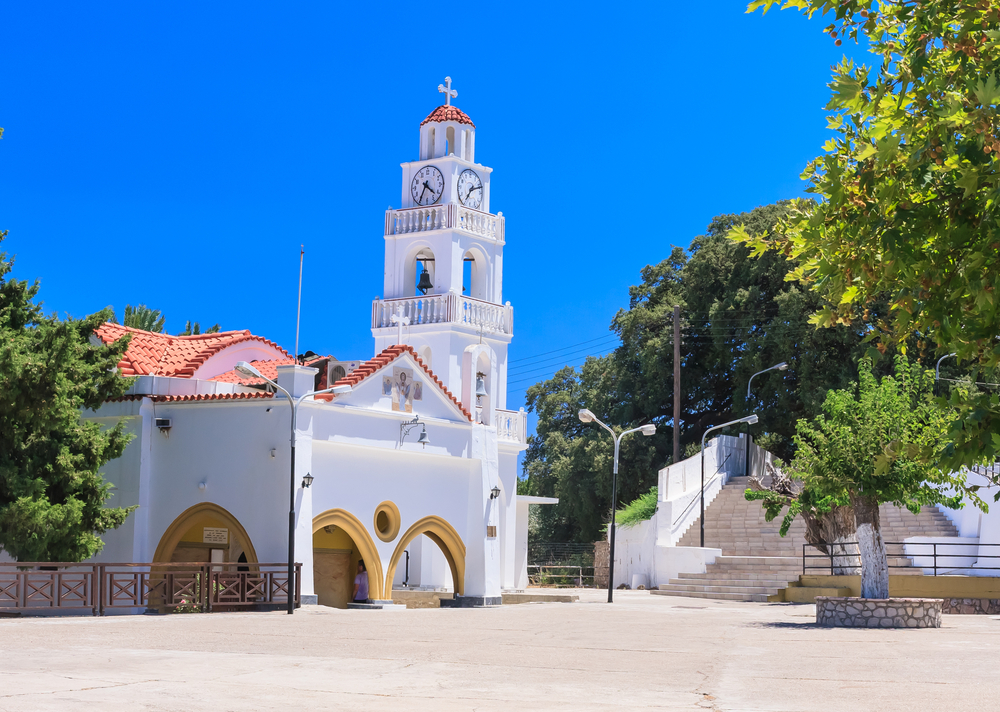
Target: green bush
638, 510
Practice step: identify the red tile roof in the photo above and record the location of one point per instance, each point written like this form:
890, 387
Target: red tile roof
386, 357
209, 397
178, 356
269, 369
449, 113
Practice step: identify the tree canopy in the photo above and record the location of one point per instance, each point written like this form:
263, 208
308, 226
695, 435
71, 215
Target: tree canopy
52, 494
909, 191
739, 315
142, 317
864, 450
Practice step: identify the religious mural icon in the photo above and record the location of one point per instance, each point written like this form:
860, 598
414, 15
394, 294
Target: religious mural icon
404, 389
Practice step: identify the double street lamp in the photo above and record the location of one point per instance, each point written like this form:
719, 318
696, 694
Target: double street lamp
749, 420
783, 366
247, 370
587, 416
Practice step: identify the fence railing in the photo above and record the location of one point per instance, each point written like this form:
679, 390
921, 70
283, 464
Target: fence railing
35, 586
439, 217
940, 557
560, 575
444, 308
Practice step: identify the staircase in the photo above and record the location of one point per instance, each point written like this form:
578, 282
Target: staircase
757, 562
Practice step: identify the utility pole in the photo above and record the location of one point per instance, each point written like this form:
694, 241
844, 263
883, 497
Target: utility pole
677, 383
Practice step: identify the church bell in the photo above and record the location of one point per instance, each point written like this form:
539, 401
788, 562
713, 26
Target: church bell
480, 385
423, 439
425, 282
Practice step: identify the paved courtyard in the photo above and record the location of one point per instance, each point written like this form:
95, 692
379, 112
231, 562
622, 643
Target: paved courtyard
643, 652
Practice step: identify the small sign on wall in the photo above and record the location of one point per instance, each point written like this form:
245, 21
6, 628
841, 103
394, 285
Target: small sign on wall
215, 535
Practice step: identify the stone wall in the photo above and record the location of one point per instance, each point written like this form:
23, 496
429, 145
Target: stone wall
845, 612
983, 606
602, 557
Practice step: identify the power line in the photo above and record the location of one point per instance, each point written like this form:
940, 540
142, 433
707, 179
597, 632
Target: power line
565, 348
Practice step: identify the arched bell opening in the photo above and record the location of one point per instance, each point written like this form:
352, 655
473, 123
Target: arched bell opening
340, 541
474, 275
484, 389
424, 273
424, 352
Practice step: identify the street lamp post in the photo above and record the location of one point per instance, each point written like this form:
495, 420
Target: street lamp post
750, 420
649, 429
783, 366
247, 370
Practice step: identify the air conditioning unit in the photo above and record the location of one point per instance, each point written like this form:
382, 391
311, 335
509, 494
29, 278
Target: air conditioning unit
339, 369
163, 423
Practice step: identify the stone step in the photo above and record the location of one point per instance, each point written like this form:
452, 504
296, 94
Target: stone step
746, 575
716, 588
728, 582
759, 597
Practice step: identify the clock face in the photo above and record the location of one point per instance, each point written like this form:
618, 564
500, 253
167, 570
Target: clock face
427, 186
470, 189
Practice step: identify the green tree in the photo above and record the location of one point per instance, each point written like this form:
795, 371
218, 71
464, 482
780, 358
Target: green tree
739, 315
194, 329
864, 450
142, 317
51, 493
908, 193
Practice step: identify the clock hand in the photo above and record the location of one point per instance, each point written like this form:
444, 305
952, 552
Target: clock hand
422, 192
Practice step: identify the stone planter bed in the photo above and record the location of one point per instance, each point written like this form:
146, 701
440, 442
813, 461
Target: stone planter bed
849, 612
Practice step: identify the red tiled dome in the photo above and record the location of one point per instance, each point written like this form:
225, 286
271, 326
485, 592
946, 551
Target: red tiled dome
449, 113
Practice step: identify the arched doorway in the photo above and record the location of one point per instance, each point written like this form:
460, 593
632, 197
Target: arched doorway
205, 533
339, 541
444, 535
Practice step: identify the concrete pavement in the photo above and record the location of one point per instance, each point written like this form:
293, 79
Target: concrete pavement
643, 652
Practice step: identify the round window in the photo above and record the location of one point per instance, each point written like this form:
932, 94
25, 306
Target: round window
387, 521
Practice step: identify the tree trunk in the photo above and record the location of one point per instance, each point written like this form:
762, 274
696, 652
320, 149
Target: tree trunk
874, 563
835, 533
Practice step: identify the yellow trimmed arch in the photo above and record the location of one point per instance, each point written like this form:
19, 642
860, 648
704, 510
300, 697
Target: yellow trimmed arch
353, 527
172, 537
444, 535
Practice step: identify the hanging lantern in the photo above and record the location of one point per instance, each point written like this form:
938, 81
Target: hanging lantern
424, 285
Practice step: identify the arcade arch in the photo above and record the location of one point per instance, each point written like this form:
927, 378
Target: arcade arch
185, 538
339, 541
444, 535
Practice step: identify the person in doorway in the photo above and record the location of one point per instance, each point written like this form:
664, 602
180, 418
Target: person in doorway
361, 584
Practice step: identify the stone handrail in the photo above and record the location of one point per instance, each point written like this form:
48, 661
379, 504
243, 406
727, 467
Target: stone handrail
512, 425
445, 308
440, 217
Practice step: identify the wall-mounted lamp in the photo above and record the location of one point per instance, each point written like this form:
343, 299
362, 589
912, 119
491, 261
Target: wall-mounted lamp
495, 492
407, 426
307, 480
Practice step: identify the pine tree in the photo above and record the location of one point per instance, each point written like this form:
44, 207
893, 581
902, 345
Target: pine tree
52, 494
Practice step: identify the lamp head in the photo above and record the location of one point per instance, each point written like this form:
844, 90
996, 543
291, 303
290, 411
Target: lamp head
340, 390
307, 480
586, 416
782, 366
648, 429
495, 492
752, 419
247, 370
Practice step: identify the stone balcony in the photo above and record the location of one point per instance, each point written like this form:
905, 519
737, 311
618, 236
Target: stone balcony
512, 426
447, 308
443, 217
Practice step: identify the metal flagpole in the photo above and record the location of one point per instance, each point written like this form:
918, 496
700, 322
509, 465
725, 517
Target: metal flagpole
298, 313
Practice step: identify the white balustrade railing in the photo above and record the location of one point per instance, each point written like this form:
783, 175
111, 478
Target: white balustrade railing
445, 308
439, 217
512, 425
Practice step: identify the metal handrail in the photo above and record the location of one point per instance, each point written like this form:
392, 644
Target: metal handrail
934, 554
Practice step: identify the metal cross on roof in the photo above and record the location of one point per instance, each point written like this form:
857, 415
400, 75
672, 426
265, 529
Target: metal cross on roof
448, 92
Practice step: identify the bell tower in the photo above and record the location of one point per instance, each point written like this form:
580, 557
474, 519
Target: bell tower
444, 265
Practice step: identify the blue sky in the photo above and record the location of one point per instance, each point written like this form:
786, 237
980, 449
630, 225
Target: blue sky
177, 154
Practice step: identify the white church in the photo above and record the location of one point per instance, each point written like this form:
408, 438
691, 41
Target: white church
411, 466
